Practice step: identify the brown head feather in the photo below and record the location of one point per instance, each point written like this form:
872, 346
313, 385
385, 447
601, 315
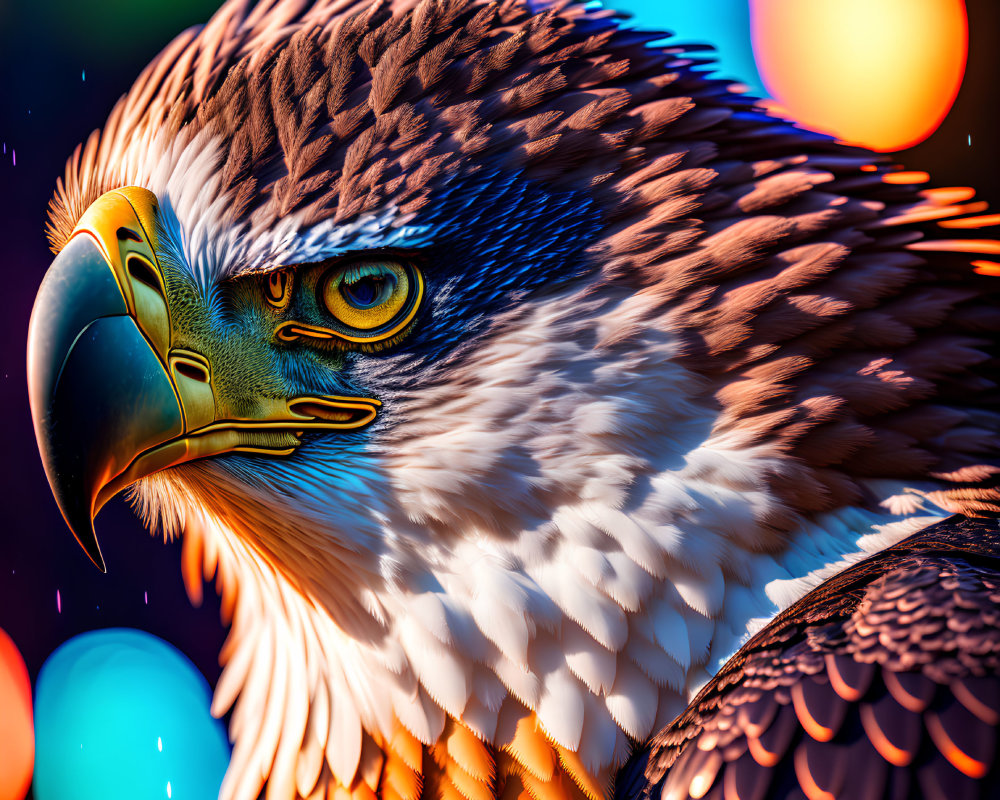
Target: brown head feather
788, 267
768, 249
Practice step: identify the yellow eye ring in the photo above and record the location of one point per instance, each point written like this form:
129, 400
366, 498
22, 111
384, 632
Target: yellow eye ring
370, 301
366, 295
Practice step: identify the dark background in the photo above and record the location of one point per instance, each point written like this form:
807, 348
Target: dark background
63, 64
47, 106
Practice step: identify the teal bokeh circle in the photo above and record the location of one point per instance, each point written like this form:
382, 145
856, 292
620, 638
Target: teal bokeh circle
119, 713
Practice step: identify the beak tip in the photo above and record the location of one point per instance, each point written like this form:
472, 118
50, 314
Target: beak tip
84, 534
93, 551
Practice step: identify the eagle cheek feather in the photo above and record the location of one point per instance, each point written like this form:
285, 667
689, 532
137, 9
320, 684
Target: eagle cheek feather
674, 366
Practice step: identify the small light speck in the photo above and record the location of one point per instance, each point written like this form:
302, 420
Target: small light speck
98, 608
169, 793
83, 75
970, 140
145, 597
159, 743
13, 152
58, 602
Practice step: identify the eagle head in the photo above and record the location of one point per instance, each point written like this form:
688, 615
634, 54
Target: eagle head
502, 368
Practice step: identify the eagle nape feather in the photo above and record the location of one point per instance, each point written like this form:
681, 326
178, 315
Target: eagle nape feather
509, 374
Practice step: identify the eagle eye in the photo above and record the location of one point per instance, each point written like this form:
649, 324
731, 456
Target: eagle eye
368, 290
367, 302
373, 299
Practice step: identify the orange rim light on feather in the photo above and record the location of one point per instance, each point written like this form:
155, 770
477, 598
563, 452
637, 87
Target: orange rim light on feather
905, 178
987, 268
987, 221
985, 246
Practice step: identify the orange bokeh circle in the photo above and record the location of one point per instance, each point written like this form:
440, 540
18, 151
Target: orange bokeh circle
17, 737
880, 73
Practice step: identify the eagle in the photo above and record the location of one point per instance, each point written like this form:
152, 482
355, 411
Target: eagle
509, 373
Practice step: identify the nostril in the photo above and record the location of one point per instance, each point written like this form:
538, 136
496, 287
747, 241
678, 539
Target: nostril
142, 272
195, 372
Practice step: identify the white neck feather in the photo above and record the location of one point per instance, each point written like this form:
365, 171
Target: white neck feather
645, 566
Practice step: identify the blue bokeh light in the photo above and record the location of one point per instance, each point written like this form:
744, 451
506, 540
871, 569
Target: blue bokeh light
725, 24
119, 713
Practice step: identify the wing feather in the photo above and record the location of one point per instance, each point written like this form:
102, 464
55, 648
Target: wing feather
883, 682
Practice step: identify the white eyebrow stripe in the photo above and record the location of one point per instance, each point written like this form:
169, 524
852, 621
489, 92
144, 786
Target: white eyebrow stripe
334, 241
197, 222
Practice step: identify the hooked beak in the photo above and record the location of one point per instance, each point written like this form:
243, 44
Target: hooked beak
111, 399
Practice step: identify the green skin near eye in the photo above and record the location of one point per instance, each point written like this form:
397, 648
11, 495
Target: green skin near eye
364, 305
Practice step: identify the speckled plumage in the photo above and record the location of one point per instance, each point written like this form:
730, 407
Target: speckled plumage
679, 362
883, 682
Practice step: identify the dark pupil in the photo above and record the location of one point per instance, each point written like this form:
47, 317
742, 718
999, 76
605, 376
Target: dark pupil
364, 292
